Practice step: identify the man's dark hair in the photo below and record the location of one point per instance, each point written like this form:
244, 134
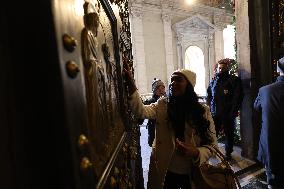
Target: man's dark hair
226, 61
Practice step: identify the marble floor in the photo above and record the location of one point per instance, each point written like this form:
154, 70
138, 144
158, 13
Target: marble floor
145, 153
250, 174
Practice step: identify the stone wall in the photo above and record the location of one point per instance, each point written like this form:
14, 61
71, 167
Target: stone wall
162, 30
243, 59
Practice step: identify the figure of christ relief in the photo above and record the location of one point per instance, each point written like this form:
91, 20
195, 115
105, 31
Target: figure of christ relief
94, 83
90, 61
113, 94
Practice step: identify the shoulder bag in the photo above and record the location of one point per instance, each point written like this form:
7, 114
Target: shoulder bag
220, 176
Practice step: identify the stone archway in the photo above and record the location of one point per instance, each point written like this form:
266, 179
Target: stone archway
196, 31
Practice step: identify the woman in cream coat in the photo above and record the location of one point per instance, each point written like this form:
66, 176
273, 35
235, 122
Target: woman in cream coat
182, 126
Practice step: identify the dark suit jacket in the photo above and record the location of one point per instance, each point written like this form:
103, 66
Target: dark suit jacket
270, 102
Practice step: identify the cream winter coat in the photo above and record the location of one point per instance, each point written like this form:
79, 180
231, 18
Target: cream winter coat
164, 143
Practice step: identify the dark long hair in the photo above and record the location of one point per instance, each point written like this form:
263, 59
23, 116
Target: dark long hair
187, 108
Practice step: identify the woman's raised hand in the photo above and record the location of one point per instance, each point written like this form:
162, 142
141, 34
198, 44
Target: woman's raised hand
129, 80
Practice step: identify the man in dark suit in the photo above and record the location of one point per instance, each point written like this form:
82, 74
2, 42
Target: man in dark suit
270, 102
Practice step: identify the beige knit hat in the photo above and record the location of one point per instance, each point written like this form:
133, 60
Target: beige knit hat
189, 75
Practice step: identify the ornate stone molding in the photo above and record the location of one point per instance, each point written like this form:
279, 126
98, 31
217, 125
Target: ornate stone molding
132, 2
193, 25
222, 19
166, 4
196, 31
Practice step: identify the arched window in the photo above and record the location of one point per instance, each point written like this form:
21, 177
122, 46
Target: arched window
194, 60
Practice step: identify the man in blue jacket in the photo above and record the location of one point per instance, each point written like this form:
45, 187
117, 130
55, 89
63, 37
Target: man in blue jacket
270, 102
224, 97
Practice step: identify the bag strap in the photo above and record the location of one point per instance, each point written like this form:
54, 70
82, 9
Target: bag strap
215, 149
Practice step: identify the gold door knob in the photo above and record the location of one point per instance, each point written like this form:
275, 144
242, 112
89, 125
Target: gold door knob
82, 141
69, 42
85, 164
72, 69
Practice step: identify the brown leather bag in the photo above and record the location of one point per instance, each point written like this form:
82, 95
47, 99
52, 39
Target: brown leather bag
220, 176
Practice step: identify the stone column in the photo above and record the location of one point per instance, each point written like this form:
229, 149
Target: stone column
207, 49
247, 130
138, 49
211, 59
179, 51
168, 45
220, 22
219, 43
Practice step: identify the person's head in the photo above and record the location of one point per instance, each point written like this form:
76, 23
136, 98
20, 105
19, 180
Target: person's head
181, 80
280, 66
158, 87
223, 65
183, 105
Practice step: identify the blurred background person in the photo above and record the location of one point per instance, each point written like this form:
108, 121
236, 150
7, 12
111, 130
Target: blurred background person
158, 89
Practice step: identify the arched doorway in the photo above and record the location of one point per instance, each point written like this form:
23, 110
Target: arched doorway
194, 60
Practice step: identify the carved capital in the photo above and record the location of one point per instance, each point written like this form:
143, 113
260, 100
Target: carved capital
221, 25
179, 38
136, 12
166, 17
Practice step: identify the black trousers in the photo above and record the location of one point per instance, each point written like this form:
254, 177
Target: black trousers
176, 181
229, 125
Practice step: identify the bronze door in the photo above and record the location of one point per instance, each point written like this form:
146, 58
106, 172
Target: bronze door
67, 122
93, 37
